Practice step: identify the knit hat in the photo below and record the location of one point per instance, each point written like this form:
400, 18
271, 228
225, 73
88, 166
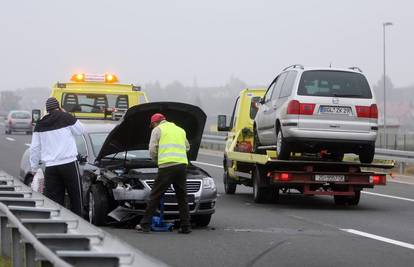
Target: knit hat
51, 104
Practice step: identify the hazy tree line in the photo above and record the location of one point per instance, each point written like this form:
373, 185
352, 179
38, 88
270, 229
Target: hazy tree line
216, 100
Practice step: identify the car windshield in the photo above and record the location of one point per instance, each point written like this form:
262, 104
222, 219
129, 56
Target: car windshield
97, 140
334, 84
93, 103
20, 115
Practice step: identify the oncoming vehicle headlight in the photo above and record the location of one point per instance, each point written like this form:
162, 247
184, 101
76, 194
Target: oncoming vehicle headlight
208, 183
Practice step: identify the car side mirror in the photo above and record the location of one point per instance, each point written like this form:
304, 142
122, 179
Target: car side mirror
82, 158
36, 114
222, 123
261, 101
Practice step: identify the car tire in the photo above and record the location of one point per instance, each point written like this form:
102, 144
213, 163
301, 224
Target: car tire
256, 143
202, 220
98, 204
366, 155
229, 185
282, 147
263, 194
354, 201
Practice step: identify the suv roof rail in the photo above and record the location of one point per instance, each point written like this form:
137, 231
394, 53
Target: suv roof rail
355, 68
294, 66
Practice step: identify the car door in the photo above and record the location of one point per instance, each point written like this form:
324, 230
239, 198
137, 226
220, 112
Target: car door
269, 118
260, 116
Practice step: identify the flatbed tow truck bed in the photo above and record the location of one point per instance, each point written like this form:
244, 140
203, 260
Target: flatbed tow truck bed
307, 175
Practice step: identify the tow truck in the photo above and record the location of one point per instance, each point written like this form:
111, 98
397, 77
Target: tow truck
308, 174
97, 96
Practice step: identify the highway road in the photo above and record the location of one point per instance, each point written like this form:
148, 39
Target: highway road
297, 231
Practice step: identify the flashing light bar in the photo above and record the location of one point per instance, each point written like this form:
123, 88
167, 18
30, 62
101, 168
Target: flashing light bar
106, 78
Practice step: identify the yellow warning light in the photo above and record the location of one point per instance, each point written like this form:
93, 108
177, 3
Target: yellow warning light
79, 77
110, 78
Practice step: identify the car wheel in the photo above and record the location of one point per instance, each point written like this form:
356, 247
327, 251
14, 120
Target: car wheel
256, 143
202, 220
366, 155
98, 204
229, 185
354, 201
282, 146
263, 194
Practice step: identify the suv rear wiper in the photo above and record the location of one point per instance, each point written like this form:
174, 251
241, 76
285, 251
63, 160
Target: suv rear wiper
346, 95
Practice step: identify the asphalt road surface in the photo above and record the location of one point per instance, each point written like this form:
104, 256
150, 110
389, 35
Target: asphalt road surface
298, 231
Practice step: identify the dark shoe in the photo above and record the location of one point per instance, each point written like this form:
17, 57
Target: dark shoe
184, 230
142, 228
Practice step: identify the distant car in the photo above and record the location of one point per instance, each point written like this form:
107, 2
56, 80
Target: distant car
18, 121
118, 174
317, 109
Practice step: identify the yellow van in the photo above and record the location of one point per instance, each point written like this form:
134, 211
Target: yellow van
91, 96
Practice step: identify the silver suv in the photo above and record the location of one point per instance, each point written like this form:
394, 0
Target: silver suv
317, 110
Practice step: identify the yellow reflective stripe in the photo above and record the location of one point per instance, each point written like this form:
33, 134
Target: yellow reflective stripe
173, 154
166, 146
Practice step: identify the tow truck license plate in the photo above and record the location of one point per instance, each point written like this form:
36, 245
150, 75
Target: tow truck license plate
329, 178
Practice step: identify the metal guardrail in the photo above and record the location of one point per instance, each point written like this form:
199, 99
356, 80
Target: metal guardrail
35, 229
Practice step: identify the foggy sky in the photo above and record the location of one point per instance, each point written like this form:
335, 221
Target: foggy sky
44, 41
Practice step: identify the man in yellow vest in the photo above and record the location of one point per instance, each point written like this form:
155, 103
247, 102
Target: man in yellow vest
168, 146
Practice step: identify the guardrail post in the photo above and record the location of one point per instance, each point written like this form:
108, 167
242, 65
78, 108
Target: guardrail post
5, 237
30, 255
402, 167
17, 257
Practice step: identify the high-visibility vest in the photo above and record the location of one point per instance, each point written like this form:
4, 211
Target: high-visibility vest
171, 147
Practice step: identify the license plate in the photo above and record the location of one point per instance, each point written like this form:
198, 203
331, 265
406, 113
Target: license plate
335, 110
329, 178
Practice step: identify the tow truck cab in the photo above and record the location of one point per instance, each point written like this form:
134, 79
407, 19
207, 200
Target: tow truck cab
89, 96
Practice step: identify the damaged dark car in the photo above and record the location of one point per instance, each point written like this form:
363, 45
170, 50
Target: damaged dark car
118, 173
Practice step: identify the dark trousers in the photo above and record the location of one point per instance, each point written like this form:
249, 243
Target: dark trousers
175, 175
64, 177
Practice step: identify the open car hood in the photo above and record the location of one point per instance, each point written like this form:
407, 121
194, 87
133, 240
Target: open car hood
133, 130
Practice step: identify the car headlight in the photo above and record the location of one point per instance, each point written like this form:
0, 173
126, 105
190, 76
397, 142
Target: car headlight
208, 183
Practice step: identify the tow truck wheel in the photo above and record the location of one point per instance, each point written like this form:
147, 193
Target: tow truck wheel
98, 204
229, 185
354, 201
263, 194
202, 220
282, 147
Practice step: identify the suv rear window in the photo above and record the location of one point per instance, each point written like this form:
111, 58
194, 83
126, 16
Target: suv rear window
20, 115
334, 84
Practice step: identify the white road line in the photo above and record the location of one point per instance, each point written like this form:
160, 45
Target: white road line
208, 164
10, 139
27, 145
388, 196
380, 238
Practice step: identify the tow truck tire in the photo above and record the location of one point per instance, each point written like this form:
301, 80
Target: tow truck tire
98, 204
202, 220
340, 200
229, 185
263, 194
282, 147
366, 155
354, 201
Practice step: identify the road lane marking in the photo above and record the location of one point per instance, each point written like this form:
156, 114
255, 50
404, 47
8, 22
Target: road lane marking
388, 196
208, 164
10, 139
379, 238
27, 145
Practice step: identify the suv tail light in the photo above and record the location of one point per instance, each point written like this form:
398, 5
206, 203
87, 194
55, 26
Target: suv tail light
297, 108
367, 111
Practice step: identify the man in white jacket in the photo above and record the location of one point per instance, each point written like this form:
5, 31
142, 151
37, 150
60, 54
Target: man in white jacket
53, 143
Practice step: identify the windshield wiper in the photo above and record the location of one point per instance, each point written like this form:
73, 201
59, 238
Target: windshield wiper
346, 95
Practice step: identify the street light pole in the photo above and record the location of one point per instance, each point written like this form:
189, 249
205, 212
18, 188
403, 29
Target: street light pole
385, 24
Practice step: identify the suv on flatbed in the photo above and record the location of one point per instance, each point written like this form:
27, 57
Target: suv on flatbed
318, 109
